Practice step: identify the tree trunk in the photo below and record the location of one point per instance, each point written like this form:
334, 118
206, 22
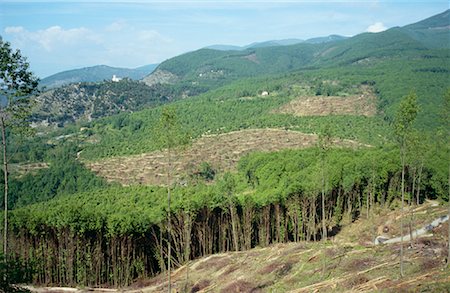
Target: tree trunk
418, 184
5, 171
234, 226
448, 257
410, 202
169, 226
401, 210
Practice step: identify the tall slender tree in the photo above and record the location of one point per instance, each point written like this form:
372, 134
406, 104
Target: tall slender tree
445, 117
170, 136
324, 144
404, 119
17, 84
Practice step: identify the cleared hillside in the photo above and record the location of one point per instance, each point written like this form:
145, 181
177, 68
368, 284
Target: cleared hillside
363, 104
352, 263
222, 152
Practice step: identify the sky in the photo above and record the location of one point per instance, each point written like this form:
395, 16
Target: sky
63, 35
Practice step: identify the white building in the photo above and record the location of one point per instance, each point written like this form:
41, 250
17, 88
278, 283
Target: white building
115, 78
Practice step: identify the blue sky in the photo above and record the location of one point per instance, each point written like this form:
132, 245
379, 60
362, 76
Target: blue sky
62, 35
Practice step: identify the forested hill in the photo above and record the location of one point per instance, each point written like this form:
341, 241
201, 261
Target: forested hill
95, 74
433, 31
213, 67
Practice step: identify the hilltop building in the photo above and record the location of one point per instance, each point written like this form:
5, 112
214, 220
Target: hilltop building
116, 78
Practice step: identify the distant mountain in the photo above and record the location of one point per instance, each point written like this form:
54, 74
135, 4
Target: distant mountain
330, 38
274, 43
95, 74
271, 43
211, 68
197, 72
225, 48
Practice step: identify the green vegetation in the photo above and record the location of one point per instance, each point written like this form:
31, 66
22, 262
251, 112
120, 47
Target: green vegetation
64, 176
14, 272
273, 198
79, 230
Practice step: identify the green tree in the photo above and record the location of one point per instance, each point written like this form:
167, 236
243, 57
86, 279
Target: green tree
17, 83
403, 124
170, 136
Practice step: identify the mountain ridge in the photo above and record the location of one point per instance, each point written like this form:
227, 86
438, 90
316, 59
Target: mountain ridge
274, 43
95, 73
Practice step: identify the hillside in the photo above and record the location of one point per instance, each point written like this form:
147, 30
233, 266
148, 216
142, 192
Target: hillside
409, 53
352, 263
414, 57
221, 152
433, 31
94, 74
88, 101
206, 65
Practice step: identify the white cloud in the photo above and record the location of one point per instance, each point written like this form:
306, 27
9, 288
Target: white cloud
51, 38
376, 27
118, 44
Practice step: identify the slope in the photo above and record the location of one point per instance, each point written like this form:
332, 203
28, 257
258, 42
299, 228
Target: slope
396, 61
352, 263
213, 67
86, 101
433, 32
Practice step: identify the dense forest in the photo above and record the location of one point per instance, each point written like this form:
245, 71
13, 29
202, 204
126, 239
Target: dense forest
75, 228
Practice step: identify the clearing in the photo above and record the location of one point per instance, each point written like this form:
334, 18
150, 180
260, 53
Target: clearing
222, 151
361, 104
